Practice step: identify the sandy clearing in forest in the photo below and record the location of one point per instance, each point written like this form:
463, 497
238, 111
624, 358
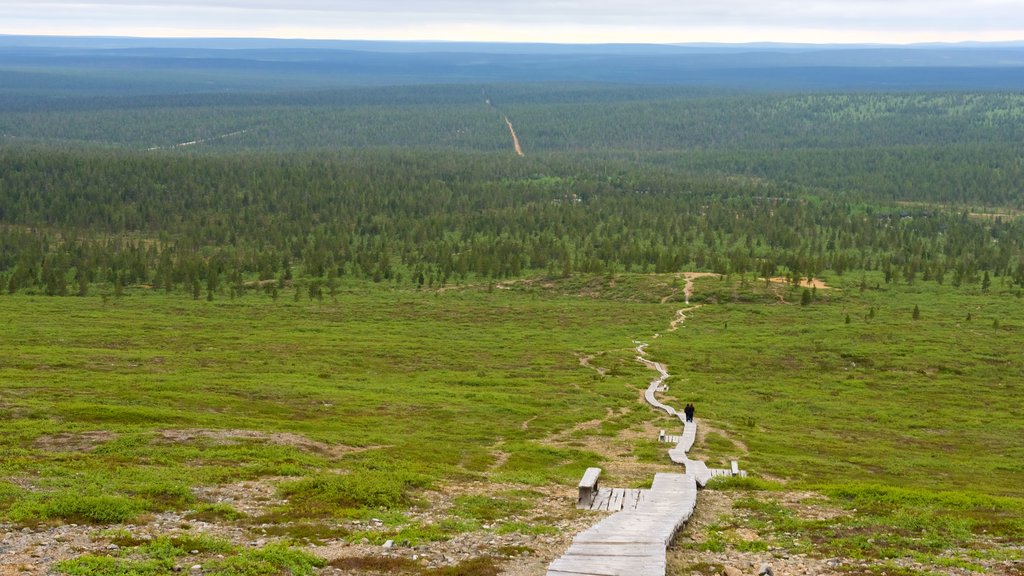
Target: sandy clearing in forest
804, 283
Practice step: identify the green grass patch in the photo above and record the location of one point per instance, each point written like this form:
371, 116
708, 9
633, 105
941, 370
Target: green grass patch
215, 512
71, 507
331, 495
488, 509
136, 398
159, 557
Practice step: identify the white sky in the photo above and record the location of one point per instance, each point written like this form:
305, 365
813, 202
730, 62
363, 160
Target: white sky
658, 21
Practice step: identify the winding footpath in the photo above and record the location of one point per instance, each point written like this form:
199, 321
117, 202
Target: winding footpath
633, 541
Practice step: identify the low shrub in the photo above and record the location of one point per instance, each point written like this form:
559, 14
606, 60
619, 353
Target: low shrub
77, 508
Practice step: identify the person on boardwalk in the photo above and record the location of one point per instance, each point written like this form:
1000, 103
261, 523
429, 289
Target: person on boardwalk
689, 410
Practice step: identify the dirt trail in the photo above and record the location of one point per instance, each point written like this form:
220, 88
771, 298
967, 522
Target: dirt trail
199, 141
680, 318
511, 129
690, 277
687, 293
515, 139
585, 362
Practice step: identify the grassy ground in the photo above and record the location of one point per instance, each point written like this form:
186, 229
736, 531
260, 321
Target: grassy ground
911, 428
117, 409
405, 385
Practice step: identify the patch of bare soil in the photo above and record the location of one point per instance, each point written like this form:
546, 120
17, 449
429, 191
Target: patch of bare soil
810, 506
227, 437
250, 497
620, 465
73, 441
804, 283
585, 362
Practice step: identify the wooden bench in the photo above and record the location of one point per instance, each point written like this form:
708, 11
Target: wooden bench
588, 487
735, 468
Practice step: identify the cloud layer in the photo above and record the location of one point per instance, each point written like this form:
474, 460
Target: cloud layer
551, 20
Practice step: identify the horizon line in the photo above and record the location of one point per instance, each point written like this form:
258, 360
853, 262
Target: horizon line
512, 42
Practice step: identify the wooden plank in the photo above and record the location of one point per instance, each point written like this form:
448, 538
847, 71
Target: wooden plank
611, 565
613, 538
601, 500
689, 436
589, 479
588, 487
615, 503
635, 499
699, 470
612, 549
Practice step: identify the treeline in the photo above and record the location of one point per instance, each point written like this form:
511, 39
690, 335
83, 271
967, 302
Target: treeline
212, 224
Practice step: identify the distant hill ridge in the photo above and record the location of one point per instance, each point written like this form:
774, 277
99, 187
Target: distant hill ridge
330, 63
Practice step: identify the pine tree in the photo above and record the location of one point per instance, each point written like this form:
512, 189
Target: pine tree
805, 298
917, 313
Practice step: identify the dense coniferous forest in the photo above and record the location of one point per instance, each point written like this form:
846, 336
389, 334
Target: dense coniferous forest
206, 223
108, 181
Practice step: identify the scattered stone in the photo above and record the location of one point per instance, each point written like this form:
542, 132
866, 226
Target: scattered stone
389, 544
766, 570
731, 571
196, 567
113, 547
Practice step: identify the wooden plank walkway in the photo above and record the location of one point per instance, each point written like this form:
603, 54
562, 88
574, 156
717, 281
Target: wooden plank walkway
615, 499
633, 542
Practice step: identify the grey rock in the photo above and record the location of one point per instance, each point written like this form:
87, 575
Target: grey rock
766, 570
731, 571
389, 544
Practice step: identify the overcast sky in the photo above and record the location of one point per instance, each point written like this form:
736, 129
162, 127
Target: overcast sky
663, 21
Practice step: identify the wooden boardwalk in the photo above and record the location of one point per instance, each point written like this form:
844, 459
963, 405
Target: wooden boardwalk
615, 499
633, 540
